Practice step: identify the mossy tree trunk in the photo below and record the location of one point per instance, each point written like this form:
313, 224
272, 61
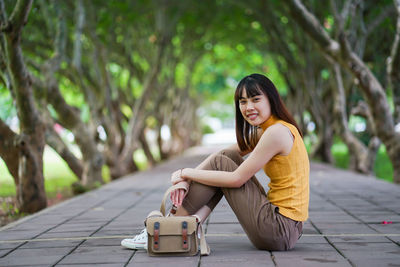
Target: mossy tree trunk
28, 145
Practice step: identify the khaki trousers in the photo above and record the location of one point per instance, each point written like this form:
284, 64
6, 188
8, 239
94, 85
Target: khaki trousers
266, 228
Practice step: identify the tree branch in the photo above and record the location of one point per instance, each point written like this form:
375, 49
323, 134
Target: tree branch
346, 9
308, 21
394, 52
362, 110
392, 67
357, 149
80, 22
3, 16
19, 17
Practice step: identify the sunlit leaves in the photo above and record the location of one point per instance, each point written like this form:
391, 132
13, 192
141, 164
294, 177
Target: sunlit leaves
7, 110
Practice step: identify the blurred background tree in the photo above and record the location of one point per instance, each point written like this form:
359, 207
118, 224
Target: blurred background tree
108, 83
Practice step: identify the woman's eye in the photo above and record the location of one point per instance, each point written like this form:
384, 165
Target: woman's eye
242, 102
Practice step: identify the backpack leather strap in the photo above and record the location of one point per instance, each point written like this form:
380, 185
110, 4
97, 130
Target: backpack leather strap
204, 248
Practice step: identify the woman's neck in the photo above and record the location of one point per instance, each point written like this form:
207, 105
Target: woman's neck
271, 120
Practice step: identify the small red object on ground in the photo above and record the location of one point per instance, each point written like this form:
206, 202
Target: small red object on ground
386, 222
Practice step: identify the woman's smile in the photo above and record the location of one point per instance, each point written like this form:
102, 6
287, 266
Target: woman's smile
252, 116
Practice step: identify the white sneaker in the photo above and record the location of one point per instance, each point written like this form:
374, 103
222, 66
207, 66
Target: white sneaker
138, 242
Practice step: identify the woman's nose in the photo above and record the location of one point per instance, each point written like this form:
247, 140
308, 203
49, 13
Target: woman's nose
249, 106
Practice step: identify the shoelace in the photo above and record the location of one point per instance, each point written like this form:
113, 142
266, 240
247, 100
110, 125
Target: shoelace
140, 236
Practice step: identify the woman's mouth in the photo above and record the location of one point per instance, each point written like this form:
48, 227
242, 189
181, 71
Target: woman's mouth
252, 116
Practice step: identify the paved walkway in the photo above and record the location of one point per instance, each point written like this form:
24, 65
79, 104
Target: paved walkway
344, 229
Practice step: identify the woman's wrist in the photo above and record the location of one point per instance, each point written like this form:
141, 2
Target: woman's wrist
184, 176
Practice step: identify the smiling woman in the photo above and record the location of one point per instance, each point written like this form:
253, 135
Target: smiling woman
268, 133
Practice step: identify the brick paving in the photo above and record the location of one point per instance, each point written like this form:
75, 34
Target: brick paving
344, 229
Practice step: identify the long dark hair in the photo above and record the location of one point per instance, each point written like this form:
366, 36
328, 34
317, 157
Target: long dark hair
256, 84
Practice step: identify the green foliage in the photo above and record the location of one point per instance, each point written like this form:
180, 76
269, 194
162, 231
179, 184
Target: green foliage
207, 129
7, 110
9, 211
221, 70
140, 159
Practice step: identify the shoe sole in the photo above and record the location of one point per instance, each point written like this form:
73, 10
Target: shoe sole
134, 246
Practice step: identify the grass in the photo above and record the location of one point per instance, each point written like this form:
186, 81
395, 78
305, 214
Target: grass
383, 168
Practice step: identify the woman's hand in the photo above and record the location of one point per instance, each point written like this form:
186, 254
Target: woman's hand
176, 177
178, 195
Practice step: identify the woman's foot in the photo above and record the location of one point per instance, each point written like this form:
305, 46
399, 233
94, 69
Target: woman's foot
138, 242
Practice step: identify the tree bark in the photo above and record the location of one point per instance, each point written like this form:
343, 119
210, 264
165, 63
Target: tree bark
160, 142
358, 151
8, 150
393, 67
322, 150
374, 143
31, 195
146, 148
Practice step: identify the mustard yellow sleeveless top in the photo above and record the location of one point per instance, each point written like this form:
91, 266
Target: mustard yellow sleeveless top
289, 186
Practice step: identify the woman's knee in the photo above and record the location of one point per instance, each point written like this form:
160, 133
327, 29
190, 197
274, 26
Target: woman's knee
233, 154
198, 196
220, 162
270, 244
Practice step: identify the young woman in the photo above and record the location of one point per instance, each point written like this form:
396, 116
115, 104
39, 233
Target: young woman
268, 133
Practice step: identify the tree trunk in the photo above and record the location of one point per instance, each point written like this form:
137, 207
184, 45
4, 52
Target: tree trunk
122, 166
322, 150
393, 67
31, 195
161, 145
358, 151
146, 148
85, 139
54, 141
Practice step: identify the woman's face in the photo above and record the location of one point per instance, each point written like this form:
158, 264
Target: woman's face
256, 109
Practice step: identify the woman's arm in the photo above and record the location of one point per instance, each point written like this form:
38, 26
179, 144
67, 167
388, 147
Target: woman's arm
276, 140
178, 195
